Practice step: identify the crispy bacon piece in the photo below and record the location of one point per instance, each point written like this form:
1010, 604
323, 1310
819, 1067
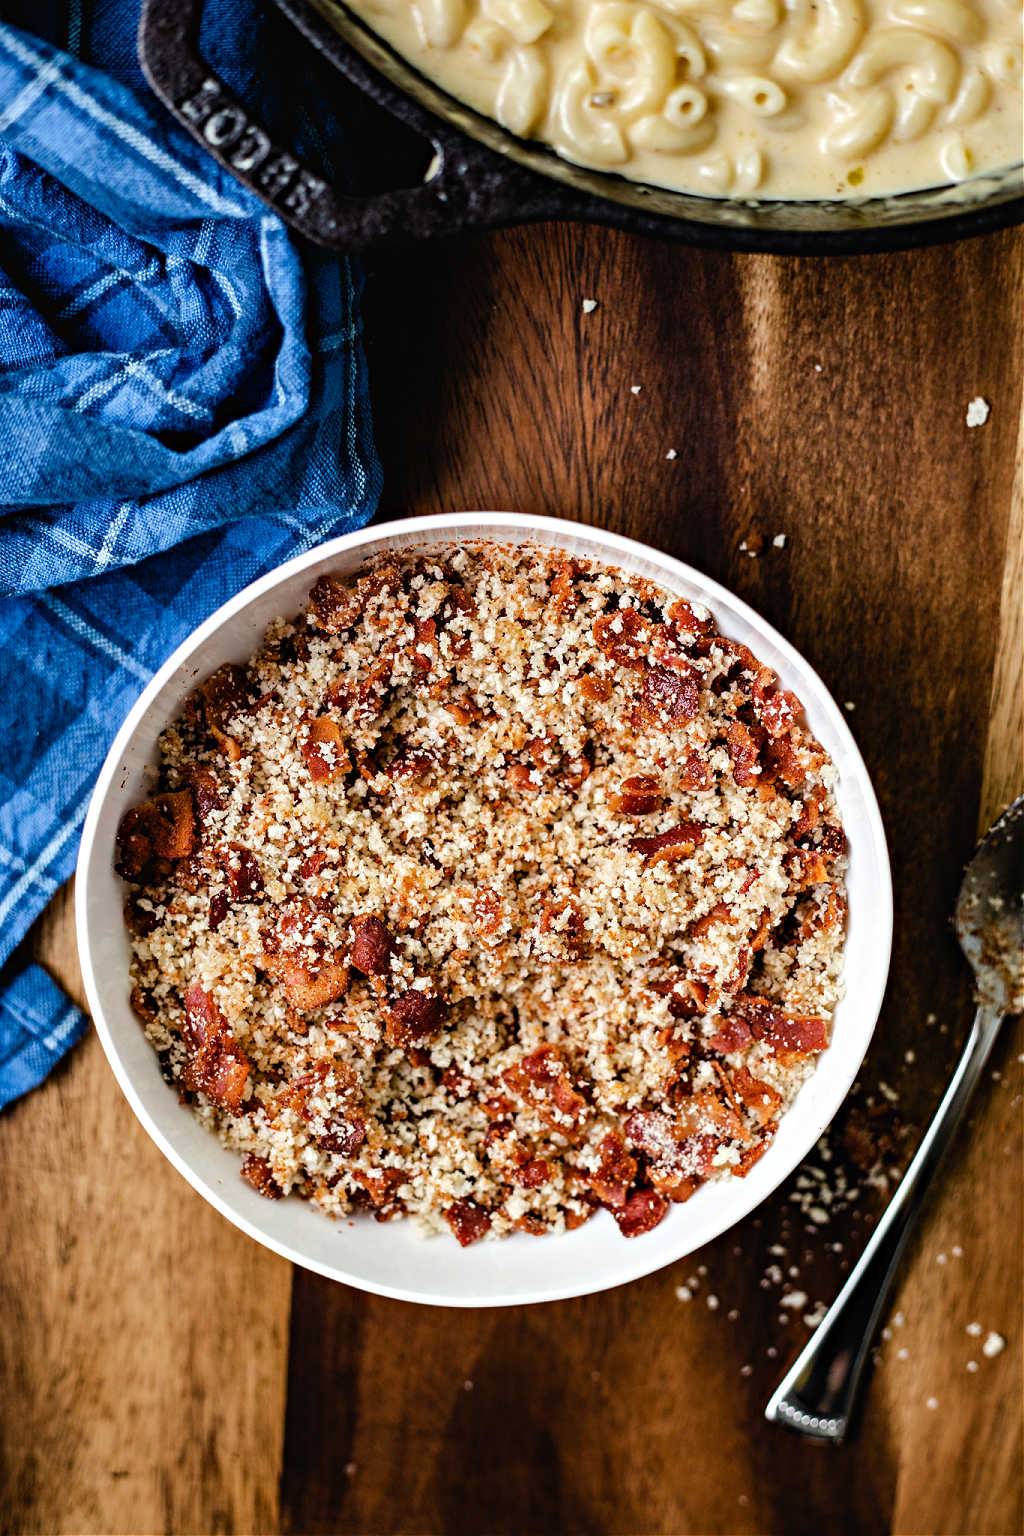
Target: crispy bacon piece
380, 1190
468, 1221
218, 910
751, 1155
683, 619
810, 812
143, 1005
372, 946
598, 690
641, 1213
140, 921
745, 753
624, 636
825, 916
323, 748
152, 835
523, 776
333, 605
760, 1098
669, 696
414, 764
695, 773
574, 771
774, 708
542, 1081
665, 847
299, 953
806, 867
464, 710
362, 698
615, 1172
640, 795
312, 864
342, 1135
782, 1031
258, 1172
530, 1172
563, 589
245, 881
215, 1064
414, 1016
731, 1035
721, 912
225, 695
206, 796
780, 761
833, 842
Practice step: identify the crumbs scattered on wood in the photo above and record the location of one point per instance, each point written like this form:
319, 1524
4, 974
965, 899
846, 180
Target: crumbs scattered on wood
589, 305
978, 412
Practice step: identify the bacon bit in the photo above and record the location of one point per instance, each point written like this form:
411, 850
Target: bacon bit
737, 977
464, 710
496, 1132
774, 709
628, 643
732, 1035
759, 934
245, 881
323, 748
575, 771
684, 621
215, 1065
362, 700
782, 1031
615, 1172
695, 773
468, 1221
488, 914
258, 1172
810, 813
380, 1190
677, 843
426, 632
532, 1172
453, 1082
782, 762
755, 874
206, 796
372, 945
414, 763
140, 921
760, 1098
833, 843
534, 1225
721, 912
754, 1154
343, 1136
414, 1016
521, 776
143, 1005
543, 1082
154, 834
218, 910
333, 605
668, 697
313, 864
806, 867
744, 751
563, 589
226, 694
641, 1213
297, 952
824, 918
598, 690
639, 796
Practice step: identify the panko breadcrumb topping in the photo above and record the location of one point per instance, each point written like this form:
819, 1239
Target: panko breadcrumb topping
496, 889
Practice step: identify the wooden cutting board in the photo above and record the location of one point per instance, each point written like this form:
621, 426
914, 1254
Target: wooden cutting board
162, 1372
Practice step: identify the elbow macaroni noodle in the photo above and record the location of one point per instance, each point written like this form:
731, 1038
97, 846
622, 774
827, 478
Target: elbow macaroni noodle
742, 98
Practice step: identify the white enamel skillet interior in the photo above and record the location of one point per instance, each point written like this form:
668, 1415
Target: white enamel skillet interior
391, 1259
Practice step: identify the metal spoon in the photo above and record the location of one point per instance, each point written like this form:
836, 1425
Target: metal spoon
817, 1396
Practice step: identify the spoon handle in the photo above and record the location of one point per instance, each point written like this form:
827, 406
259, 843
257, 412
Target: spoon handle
817, 1395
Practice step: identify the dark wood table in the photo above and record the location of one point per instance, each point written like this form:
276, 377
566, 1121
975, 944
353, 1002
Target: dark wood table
162, 1372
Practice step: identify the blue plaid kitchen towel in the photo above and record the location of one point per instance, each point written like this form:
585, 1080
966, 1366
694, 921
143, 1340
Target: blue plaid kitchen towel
183, 405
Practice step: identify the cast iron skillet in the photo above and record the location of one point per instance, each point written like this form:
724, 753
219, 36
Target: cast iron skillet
482, 177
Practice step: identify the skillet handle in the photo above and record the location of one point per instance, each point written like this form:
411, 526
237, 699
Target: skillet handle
469, 186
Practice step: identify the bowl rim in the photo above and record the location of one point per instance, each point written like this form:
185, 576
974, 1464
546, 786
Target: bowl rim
519, 526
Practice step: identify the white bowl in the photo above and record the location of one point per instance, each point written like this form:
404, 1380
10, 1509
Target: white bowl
391, 1259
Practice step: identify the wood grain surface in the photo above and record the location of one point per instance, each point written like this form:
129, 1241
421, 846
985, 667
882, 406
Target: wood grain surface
163, 1373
